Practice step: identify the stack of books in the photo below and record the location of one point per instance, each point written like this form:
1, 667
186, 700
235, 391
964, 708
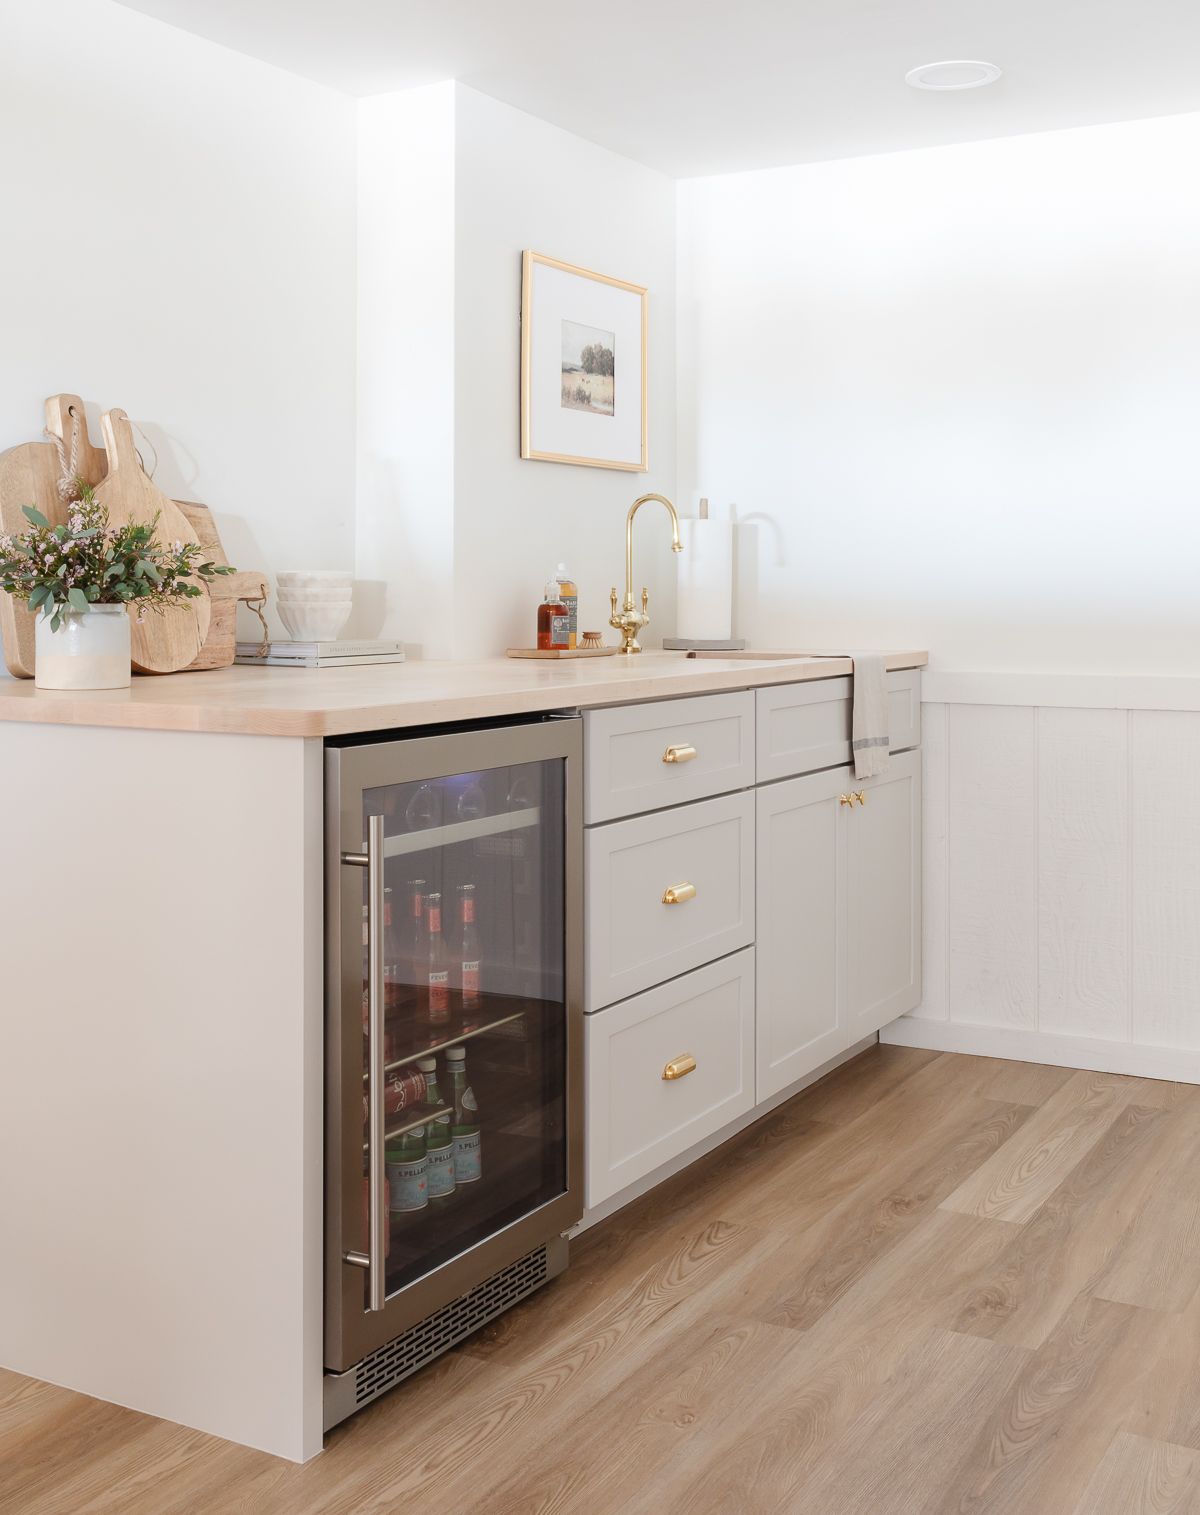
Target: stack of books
345, 654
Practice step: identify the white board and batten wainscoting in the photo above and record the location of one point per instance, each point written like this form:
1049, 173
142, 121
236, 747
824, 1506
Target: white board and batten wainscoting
1062, 872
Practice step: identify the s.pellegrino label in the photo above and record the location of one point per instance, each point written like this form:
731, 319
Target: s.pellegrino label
441, 1170
468, 1159
409, 1184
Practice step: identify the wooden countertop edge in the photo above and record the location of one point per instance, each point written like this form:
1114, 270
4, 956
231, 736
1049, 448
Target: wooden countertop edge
234, 717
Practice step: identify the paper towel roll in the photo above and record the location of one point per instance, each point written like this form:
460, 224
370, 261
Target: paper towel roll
704, 601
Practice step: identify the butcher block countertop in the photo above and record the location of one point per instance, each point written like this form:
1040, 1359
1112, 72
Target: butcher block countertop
324, 702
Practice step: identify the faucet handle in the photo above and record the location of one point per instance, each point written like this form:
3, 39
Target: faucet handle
612, 600
645, 598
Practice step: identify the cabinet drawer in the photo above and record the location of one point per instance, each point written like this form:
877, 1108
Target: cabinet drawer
803, 727
635, 938
628, 768
636, 1118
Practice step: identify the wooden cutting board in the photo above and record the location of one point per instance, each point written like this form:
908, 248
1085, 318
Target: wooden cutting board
169, 640
29, 476
220, 645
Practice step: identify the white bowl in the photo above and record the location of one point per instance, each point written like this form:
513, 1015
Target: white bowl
314, 623
296, 578
315, 596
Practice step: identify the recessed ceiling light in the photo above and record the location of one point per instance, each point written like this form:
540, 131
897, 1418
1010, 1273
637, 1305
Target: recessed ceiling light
959, 73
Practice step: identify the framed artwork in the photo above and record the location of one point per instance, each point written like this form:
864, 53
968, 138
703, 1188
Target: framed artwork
583, 367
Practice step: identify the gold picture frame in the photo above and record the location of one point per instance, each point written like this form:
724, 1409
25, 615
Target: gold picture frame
542, 393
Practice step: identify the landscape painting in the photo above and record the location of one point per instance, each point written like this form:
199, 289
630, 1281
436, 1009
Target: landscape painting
575, 323
588, 368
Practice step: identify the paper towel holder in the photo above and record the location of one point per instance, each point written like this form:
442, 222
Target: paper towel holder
704, 644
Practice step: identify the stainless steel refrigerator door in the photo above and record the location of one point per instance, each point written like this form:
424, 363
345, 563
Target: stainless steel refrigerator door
353, 773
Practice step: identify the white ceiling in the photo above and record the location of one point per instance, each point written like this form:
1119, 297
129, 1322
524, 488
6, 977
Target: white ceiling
707, 86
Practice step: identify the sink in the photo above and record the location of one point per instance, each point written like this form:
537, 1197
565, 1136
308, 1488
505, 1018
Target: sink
792, 657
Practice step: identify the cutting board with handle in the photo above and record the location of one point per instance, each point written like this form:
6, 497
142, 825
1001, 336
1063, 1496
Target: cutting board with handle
220, 645
29, 475
166, 640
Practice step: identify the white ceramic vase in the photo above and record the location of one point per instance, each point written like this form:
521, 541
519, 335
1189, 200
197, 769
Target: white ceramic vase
90, 650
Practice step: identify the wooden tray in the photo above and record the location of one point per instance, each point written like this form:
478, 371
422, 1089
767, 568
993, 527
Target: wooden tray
561, 652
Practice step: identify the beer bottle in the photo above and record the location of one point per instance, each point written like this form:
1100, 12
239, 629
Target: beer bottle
469, 954
436, 978
464, 1122
412, 933
439, 1145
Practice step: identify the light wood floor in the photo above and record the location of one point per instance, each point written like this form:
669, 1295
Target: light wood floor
931, 1283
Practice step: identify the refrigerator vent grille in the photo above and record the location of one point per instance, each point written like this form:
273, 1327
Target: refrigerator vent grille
430, 1337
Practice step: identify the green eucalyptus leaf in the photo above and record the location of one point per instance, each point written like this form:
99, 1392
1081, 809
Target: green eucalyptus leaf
33, 514
78, 599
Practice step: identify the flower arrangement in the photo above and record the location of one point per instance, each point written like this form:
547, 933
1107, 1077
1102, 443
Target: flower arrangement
64, 570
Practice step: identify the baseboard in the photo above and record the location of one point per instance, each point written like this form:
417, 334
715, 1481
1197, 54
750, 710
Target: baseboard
1137, 1060
617, 1202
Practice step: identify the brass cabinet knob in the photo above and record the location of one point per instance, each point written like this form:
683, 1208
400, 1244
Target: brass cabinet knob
679, 894
861, 797
681, 752
845, 799
679, 1067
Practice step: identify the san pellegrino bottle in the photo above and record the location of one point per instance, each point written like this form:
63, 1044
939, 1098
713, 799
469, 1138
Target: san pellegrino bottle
408, 1171
436, 978
469, 953
439, 1144
464, 1123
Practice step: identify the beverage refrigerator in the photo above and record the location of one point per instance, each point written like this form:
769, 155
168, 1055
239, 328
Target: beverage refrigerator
454, 1027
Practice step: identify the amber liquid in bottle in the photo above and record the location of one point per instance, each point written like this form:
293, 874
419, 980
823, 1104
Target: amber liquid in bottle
469, 956
437, 972
553, 622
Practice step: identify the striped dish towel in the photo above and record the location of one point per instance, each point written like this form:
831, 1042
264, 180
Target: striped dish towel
869, 724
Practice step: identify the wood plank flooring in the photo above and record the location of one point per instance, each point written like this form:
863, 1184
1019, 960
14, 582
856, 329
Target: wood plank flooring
930, 1284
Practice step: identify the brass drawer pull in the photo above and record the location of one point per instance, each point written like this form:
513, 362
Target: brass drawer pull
684, 752
845, 799
679, 894
856, 797
678, 1067
861, 797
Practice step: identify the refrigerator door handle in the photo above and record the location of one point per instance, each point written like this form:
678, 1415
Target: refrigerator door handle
377, 1217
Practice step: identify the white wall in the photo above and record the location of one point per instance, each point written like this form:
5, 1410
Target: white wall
405, 478
179, 240
453, 187
523, 183
955, 393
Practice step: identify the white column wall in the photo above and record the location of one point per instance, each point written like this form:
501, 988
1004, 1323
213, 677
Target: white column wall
161, 1075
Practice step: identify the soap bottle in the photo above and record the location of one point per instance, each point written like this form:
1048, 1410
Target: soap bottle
553, 621
569, 593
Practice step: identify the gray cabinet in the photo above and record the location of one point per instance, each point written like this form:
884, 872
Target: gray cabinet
801, 887
752, 910
667, 892
803, 727
883, 897
839, 914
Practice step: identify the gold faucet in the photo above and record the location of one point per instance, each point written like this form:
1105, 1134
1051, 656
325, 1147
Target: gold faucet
630, 621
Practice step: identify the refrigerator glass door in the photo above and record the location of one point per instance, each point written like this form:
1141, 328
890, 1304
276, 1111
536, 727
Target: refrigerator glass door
478, 1002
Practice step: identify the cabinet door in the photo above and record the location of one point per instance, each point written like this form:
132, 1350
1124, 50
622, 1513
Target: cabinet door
883, 897
801, 851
